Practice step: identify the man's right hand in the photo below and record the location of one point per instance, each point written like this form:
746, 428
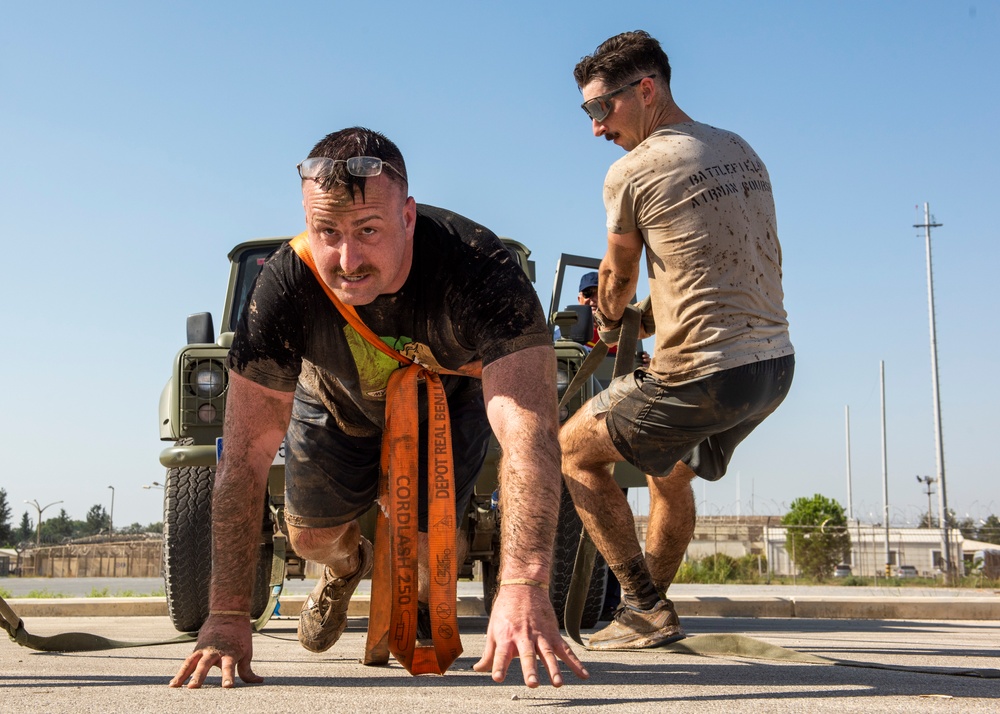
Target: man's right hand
608, 331
224, 641
523, 625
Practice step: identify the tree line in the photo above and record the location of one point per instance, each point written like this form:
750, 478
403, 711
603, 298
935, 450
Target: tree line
60, 528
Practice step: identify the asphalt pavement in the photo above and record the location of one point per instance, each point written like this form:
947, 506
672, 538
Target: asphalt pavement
926, 633
927, 654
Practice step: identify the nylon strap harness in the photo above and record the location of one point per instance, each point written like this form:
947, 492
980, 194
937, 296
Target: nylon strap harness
392, 624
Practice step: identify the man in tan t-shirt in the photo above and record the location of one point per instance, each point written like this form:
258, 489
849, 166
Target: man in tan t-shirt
698, 199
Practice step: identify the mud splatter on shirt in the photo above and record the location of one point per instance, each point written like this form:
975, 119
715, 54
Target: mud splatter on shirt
465, 299
701, 198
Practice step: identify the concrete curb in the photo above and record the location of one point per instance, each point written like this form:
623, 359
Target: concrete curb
852, 608
843, 608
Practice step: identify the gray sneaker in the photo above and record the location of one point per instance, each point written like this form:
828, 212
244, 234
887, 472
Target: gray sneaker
324, 613
633, 629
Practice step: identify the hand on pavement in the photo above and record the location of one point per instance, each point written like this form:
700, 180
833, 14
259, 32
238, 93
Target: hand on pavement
523, 625
224, 641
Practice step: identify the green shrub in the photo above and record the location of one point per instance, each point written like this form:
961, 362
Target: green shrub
721, 568
751, 568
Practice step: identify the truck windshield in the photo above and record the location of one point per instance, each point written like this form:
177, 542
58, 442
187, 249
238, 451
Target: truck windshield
251, 261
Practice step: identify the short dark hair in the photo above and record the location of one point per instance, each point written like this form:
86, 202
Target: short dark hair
622, 59
358, 141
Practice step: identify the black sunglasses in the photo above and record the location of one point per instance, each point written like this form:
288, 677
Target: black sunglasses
598, 108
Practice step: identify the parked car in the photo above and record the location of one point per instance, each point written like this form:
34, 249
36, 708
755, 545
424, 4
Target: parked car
842, 571
906, 571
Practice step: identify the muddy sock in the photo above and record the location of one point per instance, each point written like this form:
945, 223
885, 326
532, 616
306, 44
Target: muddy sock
361, 564
637, 584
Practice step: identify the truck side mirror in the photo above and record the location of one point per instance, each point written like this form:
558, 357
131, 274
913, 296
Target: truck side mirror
200, 329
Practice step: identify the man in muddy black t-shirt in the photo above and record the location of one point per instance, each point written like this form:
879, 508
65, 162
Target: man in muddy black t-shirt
445, 292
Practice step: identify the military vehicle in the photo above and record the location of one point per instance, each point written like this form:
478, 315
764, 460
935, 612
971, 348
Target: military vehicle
192, 407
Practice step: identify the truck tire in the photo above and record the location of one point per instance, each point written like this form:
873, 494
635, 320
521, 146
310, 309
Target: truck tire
567, 542
491, 572
187, 544
262, 580
187, 548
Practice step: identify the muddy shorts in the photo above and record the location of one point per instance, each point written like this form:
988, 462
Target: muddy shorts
654, 425
332, 478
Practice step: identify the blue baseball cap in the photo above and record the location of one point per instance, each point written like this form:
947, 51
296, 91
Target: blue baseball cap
589, 280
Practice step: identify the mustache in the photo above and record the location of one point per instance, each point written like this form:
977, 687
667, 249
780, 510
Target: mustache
359, 272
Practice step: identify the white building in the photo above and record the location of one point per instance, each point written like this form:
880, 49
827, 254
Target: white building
739, 536
919, 547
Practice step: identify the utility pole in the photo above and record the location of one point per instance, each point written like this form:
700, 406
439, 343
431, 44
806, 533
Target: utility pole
885, 471
938, 439
850, 499
928, 480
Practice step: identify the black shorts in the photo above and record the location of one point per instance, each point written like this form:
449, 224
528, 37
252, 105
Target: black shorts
654, 425
332, 478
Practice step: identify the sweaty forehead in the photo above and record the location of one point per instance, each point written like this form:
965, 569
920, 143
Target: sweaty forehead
379, 194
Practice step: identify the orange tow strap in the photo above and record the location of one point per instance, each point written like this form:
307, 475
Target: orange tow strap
392, 624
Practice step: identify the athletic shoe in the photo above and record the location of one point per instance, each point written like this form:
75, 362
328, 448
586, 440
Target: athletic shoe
634, 629
324, 614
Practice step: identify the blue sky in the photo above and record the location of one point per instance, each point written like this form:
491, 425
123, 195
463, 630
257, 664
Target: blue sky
140, 141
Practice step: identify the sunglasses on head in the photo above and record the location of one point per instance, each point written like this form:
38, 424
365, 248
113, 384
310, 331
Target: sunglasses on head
598, 108
320, 168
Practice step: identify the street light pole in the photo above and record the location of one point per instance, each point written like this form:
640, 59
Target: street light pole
938, 439
111, 517
41, 510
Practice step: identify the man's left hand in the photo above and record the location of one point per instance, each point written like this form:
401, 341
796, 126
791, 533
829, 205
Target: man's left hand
523, 625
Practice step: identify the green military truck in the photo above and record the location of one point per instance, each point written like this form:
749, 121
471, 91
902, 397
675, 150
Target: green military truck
192, 407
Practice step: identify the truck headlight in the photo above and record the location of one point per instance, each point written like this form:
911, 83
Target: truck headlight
208, 380
562, 381
207, 413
